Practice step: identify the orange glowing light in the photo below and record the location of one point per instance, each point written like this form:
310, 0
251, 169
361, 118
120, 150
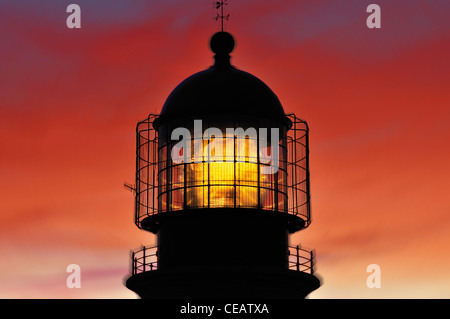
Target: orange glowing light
225, 180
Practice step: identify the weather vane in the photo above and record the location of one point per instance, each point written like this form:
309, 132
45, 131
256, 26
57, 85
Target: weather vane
221, 16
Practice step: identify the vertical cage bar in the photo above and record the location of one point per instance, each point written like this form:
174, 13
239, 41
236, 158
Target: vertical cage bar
308, 192
148, 167
154, 172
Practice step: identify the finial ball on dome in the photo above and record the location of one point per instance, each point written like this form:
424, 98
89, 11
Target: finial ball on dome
222, 43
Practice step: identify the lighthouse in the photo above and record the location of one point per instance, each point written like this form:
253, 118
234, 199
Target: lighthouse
222, 180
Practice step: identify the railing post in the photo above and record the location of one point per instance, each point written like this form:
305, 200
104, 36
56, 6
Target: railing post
298, 258
135, 270
288, 257
157, 256
132, 263
143, 259
312, 263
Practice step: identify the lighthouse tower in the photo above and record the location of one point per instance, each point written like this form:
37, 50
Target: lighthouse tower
222, 179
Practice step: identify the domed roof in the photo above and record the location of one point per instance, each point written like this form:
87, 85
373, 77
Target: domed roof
222, 90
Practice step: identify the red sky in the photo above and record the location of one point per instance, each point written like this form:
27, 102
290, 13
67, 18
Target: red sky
377, 103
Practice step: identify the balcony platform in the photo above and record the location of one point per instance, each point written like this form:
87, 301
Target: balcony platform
223, 283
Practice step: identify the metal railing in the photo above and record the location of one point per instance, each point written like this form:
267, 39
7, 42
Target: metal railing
146, 259
301, 259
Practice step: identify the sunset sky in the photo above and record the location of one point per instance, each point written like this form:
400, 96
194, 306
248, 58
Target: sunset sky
377, 102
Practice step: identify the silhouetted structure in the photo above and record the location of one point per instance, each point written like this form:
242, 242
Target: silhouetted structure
222, 226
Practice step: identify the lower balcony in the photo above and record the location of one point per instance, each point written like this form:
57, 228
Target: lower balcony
297, 259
